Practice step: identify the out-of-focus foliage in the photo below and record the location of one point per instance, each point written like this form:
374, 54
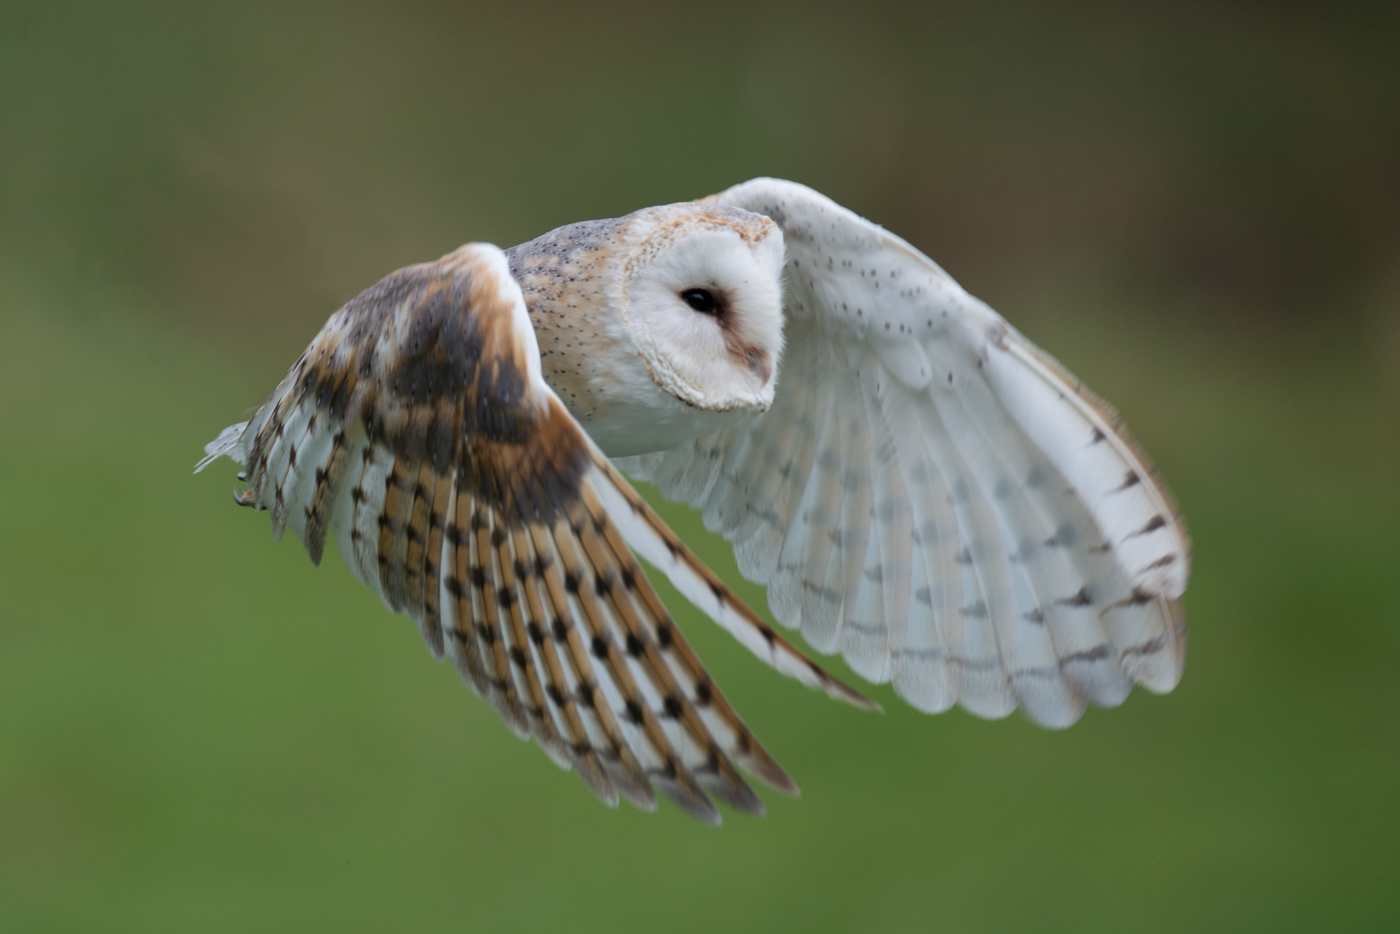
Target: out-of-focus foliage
1195, 206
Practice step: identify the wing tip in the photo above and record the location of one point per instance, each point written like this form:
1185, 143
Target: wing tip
225, 444
841, 691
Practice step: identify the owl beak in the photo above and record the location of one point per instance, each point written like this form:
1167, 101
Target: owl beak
760, 364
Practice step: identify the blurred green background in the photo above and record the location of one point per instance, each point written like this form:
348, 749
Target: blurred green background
1195, 206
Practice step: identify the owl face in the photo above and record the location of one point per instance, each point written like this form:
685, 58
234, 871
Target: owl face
701, 296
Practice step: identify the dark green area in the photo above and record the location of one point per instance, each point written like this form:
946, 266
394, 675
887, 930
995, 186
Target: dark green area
1196, 207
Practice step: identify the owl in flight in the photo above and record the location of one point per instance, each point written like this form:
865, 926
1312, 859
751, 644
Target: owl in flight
920, 488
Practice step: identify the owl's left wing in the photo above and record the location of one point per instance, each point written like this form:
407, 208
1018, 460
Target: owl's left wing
417, 427
933, 496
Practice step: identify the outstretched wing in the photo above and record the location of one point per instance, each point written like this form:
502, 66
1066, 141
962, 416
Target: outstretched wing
418, 429
933, 496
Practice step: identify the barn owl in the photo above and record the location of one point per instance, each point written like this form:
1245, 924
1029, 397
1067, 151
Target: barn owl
919, 487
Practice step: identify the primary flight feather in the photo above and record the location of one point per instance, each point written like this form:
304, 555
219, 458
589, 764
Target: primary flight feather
919, 487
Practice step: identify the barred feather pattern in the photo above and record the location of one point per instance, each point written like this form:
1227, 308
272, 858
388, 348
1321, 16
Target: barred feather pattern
932, 496
417, 429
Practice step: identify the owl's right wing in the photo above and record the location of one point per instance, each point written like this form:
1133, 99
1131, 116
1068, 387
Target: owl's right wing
933, 496
417, 428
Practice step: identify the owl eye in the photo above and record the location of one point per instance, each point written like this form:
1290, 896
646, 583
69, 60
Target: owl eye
702, 300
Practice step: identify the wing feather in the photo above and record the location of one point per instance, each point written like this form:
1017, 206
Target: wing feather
921, 666
377, 461
650, 538
559, 702
327, 478
884, 622
485, 579
463, 644
600, 697
973, 523
798, 591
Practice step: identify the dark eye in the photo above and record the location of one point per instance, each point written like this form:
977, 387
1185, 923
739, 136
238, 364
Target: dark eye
702, 300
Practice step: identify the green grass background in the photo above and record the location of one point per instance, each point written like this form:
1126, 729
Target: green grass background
1195, 207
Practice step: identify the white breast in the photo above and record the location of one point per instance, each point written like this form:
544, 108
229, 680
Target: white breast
630, 414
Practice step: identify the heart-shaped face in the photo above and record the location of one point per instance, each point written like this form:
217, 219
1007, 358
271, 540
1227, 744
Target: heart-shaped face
701, 297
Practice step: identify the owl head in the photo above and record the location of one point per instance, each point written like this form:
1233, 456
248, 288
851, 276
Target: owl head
700, 294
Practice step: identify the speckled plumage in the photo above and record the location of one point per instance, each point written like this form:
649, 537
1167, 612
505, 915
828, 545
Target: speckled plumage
418, 426
920, 488
567, 280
